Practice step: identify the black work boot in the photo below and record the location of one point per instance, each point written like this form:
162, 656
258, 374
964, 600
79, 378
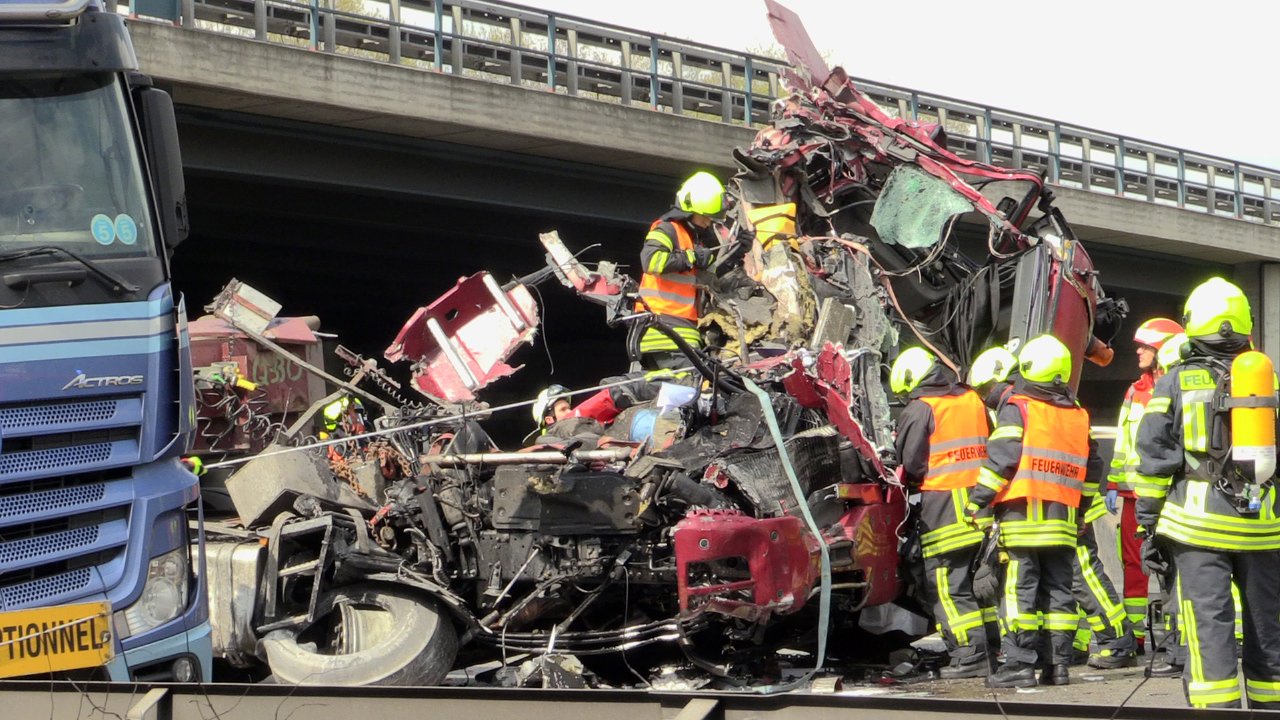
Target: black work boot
1055, 675
1013, 675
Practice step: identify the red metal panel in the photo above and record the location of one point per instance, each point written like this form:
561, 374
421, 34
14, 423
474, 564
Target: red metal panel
284, 387
780, 554
458, 344
873, 530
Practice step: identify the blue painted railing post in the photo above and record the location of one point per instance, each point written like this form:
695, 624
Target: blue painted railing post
438, 7
315, 24
551, 52
653, 72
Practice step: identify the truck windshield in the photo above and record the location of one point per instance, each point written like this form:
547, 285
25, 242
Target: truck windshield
70, 174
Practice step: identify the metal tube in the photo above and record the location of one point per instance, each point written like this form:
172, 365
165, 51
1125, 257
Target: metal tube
438, 49
259, 20
653, 72
537, 457
504, 302
446, 347
393, 32
273, 347
551, 52
315, 25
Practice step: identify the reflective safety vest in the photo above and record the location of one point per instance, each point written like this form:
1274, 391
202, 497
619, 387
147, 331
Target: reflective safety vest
1196, 387
1055, 452
671, 293
1124, 460
958, 444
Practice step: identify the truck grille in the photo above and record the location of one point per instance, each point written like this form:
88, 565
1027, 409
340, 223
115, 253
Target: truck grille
37, 416
35, 502
65, 497
65, 584
26, 463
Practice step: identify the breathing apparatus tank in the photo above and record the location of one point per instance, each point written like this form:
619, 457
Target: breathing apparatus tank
1253, 423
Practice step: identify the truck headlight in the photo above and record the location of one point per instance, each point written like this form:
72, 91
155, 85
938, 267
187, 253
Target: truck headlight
163, 596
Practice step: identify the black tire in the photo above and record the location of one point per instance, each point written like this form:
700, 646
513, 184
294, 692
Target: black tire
374, 635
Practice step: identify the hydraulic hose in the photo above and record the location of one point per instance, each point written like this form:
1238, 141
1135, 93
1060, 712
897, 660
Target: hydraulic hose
725, 379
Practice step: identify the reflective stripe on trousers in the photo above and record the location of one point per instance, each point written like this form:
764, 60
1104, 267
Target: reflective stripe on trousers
1204, 582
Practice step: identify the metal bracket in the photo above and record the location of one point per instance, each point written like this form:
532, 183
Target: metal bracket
273, 576
1253, 401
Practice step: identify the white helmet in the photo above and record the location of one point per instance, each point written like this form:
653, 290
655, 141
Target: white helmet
546, 400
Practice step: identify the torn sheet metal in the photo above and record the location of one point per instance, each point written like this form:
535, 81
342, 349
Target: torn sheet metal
786, 279
603, 281
807, 63
832, 387
459, 343
780, 556
241, 304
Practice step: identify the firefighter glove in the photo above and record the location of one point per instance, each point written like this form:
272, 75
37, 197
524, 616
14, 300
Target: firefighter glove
1154, 560
971, 511
703, 257
194, 464
1112, 496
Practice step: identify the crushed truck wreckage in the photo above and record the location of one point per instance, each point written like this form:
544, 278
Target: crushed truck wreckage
760, 513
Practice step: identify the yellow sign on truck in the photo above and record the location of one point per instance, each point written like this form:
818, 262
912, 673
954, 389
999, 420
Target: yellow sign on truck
50, 639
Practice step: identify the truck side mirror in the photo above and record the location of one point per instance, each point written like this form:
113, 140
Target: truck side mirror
160, 138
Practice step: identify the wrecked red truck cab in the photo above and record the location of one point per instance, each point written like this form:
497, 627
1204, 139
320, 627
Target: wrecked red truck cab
745, 504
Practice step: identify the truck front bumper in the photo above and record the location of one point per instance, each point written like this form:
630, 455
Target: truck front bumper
156, 661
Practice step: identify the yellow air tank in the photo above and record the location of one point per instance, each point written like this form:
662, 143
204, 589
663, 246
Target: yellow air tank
1253, 416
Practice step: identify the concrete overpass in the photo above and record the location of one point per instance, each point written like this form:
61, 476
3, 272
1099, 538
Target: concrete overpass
330, 178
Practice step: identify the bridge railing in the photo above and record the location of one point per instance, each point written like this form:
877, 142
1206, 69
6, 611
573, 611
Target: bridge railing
508, 43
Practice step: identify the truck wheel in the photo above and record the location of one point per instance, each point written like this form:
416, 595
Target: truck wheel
374, 635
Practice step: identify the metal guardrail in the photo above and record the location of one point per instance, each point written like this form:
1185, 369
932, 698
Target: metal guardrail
514, 44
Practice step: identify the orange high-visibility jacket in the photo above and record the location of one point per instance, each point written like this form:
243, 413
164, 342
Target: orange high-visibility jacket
672, 293
958, 444
1055, 453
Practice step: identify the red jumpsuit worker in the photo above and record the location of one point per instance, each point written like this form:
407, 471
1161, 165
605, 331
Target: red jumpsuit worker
1150, 337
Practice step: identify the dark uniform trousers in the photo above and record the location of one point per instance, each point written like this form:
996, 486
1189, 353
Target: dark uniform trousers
1096, 596
1207, 622
1037, 607
1171, 642
949, 584
950, 547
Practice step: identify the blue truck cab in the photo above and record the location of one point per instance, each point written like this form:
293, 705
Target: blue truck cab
99, 571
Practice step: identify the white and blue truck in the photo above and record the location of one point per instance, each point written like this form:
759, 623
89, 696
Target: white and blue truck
99, 571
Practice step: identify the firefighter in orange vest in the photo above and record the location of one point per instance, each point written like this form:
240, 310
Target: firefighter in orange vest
679, 244
941, 443
1042, 467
